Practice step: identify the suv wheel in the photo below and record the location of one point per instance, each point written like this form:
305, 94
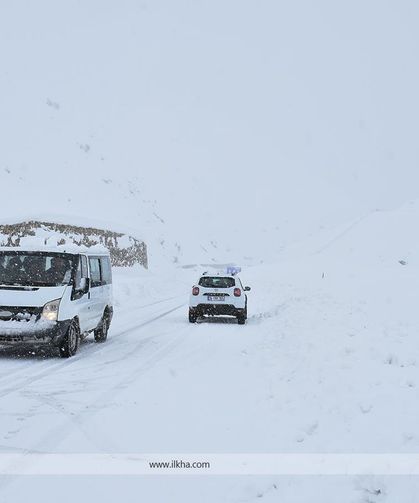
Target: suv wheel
241, 318
71, 342
192, 316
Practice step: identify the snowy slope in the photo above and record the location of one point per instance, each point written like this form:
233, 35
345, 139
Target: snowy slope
278, 135
326, 364
151, 114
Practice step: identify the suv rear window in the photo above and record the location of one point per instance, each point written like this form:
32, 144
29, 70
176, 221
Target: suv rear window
216, 282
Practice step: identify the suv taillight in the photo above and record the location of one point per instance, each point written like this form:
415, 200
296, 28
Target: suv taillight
237, 292
195, 290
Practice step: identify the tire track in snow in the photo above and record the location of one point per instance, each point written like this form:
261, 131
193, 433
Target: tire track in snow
78, 419
47, 362
126, 310
94, 349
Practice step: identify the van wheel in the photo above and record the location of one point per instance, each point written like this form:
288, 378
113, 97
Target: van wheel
101, 333
71, 342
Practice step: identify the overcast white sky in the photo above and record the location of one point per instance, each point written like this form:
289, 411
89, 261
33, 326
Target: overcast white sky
296, 102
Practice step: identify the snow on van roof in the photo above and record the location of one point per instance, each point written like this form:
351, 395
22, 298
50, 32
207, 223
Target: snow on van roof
71, 249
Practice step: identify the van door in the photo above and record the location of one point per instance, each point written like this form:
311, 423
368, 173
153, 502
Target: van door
96, 291
106, 272
81, 300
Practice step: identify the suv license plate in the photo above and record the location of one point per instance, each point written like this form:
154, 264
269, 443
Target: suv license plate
215, 298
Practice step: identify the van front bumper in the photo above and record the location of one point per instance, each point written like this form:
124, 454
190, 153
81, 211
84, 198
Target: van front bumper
52, 334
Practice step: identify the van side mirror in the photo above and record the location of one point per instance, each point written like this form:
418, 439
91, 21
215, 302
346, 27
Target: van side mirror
247, 288
84, 285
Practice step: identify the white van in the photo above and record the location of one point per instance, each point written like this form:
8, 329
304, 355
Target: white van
55, 298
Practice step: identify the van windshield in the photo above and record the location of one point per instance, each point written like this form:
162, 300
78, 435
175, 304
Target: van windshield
35, 268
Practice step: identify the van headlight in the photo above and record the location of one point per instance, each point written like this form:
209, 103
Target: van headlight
50, 310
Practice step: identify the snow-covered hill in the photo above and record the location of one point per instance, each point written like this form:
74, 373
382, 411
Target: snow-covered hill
326, 364
281, 136
223, 130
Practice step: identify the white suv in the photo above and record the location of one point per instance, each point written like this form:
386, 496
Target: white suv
218, 294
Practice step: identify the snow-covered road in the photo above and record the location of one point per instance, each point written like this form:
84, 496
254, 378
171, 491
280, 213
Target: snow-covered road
318, 368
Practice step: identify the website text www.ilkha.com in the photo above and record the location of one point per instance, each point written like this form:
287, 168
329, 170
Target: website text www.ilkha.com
32, 463
180, 464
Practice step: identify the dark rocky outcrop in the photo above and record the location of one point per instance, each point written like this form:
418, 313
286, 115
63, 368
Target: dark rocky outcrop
125, 250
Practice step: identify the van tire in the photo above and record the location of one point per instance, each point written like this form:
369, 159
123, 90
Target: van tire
71, 342
101, 333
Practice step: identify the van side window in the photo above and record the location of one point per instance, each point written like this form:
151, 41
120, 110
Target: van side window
78, 276
84, 273
106, 271
81, 271
95, 276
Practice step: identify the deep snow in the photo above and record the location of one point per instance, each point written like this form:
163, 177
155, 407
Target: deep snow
281, 136
326, 363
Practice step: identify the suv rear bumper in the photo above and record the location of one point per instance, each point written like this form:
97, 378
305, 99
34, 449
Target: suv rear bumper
51, 336
216, 310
